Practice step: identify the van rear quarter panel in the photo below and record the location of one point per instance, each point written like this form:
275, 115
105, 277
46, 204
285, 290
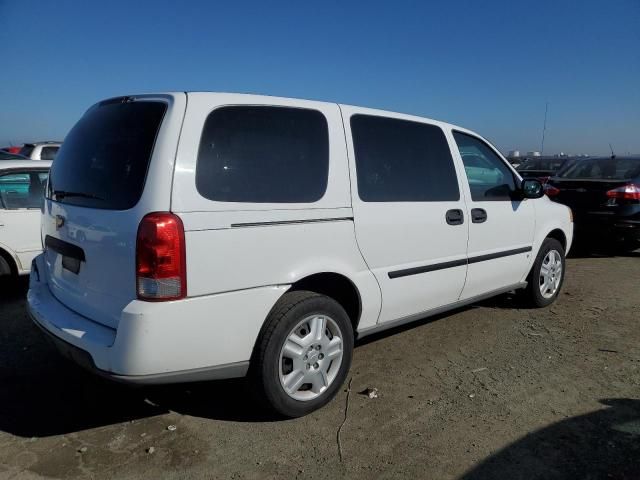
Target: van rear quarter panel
232, 246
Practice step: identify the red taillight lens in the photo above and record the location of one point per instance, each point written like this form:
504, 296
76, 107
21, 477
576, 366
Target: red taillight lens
160, 258
630, 191
550, 190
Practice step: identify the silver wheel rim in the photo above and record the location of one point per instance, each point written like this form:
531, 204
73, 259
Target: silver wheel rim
310, 357
550, 274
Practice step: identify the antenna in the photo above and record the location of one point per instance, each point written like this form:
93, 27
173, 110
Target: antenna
613, 154
544, 127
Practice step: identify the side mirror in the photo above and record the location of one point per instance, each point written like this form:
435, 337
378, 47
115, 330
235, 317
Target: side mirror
532, 188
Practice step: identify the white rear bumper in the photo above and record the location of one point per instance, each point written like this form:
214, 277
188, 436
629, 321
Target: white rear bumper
208, 337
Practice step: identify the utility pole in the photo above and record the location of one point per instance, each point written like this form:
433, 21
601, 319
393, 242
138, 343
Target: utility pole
544, 127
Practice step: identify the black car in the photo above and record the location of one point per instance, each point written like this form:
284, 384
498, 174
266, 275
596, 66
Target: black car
542, 168
604, 195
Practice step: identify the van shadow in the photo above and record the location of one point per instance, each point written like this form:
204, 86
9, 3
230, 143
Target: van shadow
43, 394
601, 445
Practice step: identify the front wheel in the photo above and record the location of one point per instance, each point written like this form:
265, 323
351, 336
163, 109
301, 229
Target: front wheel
303, 354
547, 275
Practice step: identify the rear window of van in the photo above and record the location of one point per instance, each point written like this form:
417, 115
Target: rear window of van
263, 154
104, 159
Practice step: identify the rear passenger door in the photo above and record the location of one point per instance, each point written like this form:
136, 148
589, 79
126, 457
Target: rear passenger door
409, 212
501, 223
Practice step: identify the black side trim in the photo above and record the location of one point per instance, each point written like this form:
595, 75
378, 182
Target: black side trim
427, 268
436, 311
492, 256
290, 222
64, 248
457, 263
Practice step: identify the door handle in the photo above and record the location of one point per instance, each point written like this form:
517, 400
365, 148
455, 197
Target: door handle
455, 217
478, 215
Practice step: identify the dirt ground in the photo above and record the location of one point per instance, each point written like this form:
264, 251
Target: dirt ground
487, 392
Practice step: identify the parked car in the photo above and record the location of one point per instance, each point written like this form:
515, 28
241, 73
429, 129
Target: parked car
261, 235
40, 150
604, 194
12, 149
542, 168
11, 156
21, 198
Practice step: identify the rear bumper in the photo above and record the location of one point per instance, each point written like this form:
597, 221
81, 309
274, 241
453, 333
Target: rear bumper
202, 338
609, 227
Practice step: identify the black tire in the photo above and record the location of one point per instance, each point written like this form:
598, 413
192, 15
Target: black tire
288, 312
532, 296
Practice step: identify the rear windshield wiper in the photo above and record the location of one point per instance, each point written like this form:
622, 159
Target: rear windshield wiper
63, 193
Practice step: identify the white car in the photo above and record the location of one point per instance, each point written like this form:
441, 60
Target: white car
258, 235
40, 150
21, 198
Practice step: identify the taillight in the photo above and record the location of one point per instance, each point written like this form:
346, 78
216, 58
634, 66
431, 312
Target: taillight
544, 180
160, 258
550, 190
630, 191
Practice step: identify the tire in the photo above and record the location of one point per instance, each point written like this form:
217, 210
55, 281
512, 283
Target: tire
291, 351
533, 295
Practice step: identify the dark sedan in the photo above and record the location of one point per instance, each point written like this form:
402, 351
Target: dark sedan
604, 195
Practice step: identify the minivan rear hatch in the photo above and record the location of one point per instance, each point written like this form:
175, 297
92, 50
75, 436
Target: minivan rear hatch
96, 196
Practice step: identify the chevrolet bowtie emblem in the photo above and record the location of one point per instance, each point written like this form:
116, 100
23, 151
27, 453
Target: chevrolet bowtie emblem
59, 222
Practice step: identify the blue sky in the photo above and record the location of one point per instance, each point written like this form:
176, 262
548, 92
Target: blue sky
486, 65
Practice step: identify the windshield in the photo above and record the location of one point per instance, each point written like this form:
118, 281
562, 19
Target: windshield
603, 169
103, 161
541, 164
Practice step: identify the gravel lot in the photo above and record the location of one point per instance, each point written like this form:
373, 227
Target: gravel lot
490, 391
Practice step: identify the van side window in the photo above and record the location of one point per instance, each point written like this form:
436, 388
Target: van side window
489, 178
263, 155
402, 161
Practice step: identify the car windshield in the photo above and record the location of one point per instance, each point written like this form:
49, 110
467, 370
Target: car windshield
541, 164
603, 169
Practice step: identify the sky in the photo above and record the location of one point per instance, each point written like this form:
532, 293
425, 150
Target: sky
490, 66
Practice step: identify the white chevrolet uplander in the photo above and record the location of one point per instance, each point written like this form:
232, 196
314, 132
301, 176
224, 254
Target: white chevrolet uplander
194, 236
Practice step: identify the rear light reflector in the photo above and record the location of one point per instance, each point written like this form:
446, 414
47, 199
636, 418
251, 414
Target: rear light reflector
630, 191
550, 190
160, 258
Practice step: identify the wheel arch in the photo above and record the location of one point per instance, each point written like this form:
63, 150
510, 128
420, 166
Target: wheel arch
8, 264
559, 235
337, 286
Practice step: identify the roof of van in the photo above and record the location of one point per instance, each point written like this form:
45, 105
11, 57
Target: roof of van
248, 97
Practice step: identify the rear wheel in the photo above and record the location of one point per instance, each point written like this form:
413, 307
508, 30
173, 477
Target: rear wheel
547, 275
303, 354
8, 269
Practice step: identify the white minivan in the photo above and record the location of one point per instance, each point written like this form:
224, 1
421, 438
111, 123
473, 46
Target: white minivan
194, 236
